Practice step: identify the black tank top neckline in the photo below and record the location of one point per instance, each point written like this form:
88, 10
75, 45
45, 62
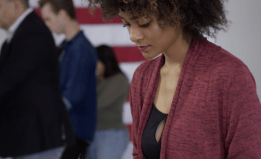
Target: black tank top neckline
150, 146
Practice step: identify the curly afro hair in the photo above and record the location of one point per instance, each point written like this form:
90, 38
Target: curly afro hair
196, 17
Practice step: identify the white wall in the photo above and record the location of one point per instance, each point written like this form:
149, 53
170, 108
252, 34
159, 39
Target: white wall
243, 38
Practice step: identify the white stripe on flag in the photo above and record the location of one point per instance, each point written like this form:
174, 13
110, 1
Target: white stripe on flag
110, 34
126, 114
129, 68
77, 3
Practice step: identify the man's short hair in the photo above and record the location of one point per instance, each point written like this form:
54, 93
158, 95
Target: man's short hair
57, 5
25, 2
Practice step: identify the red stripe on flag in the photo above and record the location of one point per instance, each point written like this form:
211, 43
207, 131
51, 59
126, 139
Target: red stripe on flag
123, 54
128, 54
85, 17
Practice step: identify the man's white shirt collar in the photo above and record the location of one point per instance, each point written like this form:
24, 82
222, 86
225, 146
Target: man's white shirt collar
13, 28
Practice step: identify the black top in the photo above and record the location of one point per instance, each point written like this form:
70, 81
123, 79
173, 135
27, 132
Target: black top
150, 146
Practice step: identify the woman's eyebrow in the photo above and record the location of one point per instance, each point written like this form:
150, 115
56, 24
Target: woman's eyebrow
132, 18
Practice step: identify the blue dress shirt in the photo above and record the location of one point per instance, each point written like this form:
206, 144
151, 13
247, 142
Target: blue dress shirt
78, 84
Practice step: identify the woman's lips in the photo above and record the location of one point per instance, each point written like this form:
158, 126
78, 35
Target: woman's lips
143, 48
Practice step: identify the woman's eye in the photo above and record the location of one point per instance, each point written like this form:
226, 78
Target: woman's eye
142, 26
145, 25
125, 25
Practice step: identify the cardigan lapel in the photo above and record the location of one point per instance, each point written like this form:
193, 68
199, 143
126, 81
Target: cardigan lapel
151, 89
183, 84
149, 98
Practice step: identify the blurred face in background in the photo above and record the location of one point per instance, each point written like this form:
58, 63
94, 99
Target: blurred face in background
8, 11
52, 20
100, 69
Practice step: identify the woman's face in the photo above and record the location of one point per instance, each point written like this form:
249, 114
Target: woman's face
147, 33
100, 69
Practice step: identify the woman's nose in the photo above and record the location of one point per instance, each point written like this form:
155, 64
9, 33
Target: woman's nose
135, 35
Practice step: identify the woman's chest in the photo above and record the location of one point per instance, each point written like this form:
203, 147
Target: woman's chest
195, 129
165, 93
196, 124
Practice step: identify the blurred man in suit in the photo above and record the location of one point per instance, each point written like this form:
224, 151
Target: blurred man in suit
78, 62
34, 122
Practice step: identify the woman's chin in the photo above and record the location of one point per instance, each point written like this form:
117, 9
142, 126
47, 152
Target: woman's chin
149, 56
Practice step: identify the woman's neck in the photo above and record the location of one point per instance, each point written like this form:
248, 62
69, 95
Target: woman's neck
175, 55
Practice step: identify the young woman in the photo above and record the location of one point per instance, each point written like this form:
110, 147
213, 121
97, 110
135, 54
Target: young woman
111, 138
195, 101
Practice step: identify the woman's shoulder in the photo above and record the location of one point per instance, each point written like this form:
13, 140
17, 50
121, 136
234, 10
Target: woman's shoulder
225, 66
215, 58
117, 78
120, 77
224, 60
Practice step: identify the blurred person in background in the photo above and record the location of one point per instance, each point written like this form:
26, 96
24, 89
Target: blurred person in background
78, 62
111, 138
34, 122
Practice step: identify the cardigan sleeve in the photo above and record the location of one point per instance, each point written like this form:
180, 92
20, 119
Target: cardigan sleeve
243, 139
138, 84
135, 99
134, 128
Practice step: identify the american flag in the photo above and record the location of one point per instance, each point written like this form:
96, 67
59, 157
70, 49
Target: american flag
113, 34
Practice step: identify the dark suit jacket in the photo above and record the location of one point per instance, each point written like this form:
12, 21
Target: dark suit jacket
31, 108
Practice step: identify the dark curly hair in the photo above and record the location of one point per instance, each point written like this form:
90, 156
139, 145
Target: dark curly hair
107, 56
196, 17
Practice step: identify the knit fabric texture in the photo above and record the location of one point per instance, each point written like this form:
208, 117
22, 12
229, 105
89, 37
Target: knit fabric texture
215, 112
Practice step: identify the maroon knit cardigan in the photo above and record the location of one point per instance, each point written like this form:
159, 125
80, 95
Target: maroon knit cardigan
215, 113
